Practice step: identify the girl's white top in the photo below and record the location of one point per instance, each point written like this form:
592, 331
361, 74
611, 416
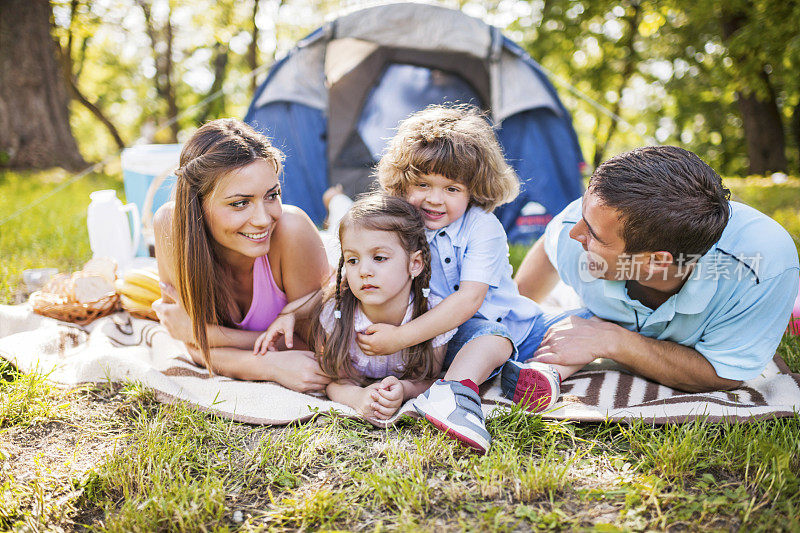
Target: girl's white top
377, 366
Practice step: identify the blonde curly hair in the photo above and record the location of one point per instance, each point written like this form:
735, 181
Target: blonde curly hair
456, 142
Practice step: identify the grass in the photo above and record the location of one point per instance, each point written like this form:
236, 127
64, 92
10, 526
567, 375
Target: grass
781, 201
111, 458
51, 234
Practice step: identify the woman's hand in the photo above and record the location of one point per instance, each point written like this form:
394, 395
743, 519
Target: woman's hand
298, 371
172, 314
283, 325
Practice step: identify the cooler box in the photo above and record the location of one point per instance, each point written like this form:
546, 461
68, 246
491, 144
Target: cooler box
141, 165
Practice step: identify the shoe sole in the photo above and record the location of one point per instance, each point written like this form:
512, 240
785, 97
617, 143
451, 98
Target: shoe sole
480, 445
455, 435
533, 391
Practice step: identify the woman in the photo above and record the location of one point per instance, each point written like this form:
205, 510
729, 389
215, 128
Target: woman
230, 256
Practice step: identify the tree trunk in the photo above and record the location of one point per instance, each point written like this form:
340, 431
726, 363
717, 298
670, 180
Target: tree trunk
252, 50
627, 71
763, 131
169, 87
97, 112
795, 129
761, 119
71, 78
215, 107
163, 62
34, 112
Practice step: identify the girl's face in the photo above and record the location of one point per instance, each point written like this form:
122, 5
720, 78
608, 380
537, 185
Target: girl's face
242, 211
378, 270
439, 199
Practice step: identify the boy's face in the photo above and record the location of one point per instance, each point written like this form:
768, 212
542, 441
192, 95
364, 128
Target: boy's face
439, 199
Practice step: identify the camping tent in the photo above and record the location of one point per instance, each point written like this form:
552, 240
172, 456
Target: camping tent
334, 100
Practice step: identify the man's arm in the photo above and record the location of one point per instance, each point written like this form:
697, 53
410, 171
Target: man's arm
670, 364
577, 342
536, 276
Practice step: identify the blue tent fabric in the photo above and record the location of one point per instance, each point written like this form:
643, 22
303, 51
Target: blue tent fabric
540, 143
530, 140
299, 132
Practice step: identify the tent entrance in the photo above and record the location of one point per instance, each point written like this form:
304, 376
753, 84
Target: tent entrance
367, 101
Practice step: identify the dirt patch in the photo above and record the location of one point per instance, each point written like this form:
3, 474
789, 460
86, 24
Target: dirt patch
46, 460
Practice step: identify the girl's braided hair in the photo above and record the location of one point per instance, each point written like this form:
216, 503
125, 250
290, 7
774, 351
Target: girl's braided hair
378, 212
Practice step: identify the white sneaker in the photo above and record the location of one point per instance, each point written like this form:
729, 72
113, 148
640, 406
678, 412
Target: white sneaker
535, 386
455, 409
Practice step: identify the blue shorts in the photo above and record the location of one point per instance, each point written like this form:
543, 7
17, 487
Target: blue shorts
478, 326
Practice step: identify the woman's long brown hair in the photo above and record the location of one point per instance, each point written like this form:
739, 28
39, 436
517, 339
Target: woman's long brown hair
379, 212
201, 277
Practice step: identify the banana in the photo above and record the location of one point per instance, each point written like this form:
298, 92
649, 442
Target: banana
135, 305
136, 292
144, 278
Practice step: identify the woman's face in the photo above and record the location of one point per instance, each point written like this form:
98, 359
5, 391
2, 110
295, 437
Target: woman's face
242, 211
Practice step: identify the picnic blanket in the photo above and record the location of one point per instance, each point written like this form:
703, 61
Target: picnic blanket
120, 348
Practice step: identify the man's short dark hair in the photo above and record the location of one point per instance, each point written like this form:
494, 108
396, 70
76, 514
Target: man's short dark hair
668, 198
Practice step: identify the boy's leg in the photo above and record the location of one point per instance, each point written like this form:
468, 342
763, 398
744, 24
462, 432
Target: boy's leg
536, 385
452, 404
479, 358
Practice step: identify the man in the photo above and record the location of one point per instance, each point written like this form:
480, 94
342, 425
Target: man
688, 289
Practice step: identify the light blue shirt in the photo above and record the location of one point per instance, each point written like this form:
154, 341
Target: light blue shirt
475, 248
734, 307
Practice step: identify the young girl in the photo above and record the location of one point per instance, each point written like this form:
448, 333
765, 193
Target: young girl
383, 277
447, 162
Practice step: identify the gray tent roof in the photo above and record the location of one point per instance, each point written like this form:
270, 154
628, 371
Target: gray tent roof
341, 45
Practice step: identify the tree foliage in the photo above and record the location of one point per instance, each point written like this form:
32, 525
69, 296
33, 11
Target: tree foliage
718, 78
680, 71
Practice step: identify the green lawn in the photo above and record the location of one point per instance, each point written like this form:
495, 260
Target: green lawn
111, 458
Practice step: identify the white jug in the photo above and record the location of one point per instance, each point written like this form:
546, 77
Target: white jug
111, 232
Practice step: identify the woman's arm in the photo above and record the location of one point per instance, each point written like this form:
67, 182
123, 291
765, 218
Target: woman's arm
170, 311
174, 317
352, 395
294, 369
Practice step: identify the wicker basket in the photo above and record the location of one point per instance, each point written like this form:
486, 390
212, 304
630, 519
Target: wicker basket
151, 315
52, 301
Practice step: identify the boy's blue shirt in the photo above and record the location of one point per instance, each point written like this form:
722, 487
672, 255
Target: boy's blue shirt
475, 248
732, 309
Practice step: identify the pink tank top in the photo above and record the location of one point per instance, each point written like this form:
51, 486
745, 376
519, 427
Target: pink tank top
268, 299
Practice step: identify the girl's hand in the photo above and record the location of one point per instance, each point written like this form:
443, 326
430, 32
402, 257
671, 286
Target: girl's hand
366, 402
172, 314
387, 397
380, 339
283, 325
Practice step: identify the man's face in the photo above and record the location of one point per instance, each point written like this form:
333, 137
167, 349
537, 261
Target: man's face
599, 232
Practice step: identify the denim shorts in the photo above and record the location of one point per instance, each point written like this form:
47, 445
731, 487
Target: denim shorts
478, 326
541, 324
